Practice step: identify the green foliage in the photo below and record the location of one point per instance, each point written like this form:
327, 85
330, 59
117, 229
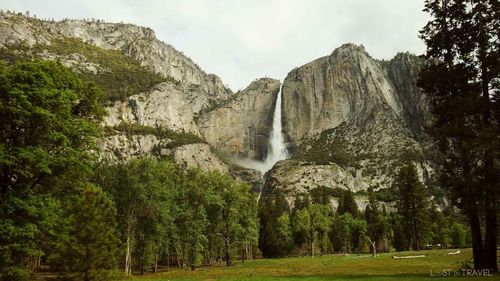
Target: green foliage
322, 194
49, 120
458, 235
463, 90
413, 206
347, 204
28, 228
378, 225
386, 194
121, 76
175, 138
352, 233
284, 232
165, 211
311, 225
89, 249
270, 209
323, 150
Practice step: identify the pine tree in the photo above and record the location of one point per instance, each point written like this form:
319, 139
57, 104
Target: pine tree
413, 205
88, 251
463, 85
347, 204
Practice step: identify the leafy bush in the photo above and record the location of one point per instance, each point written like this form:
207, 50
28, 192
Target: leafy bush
176, 138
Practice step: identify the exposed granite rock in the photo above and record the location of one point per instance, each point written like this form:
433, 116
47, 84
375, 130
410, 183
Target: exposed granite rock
369, 110
402, 72
197, 154
122, 147
242, 125
202, 90
293, 177
347, 86
125, 147
253, 177
163, 106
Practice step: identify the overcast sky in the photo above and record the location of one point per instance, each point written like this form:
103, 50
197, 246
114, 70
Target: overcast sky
241, 40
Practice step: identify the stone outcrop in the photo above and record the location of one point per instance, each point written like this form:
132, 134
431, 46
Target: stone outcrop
242, 125
124, 147
163, 106
197, 154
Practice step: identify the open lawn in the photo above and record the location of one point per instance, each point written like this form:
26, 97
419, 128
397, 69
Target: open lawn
350, 267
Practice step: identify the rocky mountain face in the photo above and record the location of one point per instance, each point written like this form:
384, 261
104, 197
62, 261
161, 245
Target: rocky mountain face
159, 120
349, 120
352, 121
241, 126
202, 90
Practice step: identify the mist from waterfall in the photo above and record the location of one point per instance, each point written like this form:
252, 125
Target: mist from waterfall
276, 147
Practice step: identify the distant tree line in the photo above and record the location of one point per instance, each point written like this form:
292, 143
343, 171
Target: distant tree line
310, 225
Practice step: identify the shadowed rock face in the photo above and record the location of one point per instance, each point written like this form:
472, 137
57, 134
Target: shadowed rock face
242, 125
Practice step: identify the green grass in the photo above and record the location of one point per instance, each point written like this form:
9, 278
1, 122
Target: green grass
352, 267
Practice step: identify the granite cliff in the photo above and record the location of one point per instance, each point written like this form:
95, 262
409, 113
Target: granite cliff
352, 121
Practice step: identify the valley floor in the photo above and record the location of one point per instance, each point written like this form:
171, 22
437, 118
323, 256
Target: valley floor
349, 267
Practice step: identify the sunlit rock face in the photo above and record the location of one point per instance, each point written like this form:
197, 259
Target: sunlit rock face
241, 126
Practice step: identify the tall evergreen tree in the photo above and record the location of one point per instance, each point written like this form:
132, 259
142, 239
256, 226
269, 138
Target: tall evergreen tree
463, 84
270, 209
413, 205
347, 204
89, 249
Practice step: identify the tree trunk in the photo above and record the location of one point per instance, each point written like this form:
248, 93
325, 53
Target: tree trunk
128, 253
228, 254
477, 243
177, 257
168, 259
311, 233
155, 268
416, 244
490, 242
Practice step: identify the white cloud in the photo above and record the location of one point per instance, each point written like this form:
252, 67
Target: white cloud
247, 39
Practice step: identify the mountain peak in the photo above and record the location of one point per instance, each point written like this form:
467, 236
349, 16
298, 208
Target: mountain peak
349, 50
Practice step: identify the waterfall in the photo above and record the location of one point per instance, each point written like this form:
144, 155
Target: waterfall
276, 148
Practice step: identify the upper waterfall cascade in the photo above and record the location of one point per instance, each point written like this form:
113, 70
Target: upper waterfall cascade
277, 149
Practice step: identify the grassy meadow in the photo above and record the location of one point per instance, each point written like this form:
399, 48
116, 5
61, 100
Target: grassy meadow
332, 267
